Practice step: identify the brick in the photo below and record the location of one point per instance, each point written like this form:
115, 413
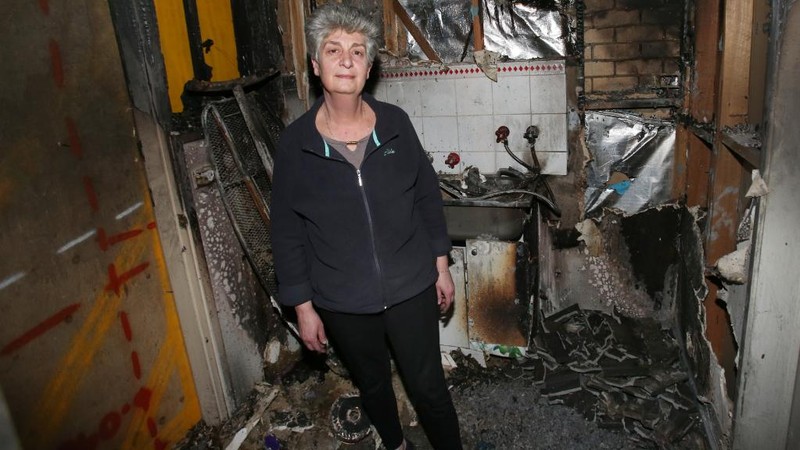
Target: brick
650, 81
669, 15
587, 53
672, 67
614, 18
639, 4
639, 33
672, 32
615, 51
614, 83
598, 5
587, 85
639, 67
598, 69
594, 36
664, 49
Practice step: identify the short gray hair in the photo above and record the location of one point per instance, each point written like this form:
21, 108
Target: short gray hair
333, 17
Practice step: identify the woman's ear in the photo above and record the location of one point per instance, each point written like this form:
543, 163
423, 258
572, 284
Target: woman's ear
315, 65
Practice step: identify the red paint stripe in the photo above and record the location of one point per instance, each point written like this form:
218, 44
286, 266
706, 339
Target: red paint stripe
115, 281
56, 63
74, 140
44, 6
137, 369
91, 195
117, 238
105, 242
158, 444
39, 329
151, 226
126, 326
102, 239
151, 427
142, 398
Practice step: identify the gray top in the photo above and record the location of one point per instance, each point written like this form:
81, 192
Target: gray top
354, 157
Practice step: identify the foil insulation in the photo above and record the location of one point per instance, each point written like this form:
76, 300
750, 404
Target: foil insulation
522, 30
517, 30
632, 162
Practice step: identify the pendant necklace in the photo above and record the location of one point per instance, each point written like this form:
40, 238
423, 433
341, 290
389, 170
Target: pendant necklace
328, 124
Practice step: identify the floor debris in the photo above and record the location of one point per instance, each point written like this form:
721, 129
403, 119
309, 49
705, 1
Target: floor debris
618, 372
590, 381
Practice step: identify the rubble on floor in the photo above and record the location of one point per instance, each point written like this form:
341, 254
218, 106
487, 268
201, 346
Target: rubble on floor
591, 381
619, 373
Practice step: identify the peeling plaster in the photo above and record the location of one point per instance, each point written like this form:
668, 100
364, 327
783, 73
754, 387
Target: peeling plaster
708, 377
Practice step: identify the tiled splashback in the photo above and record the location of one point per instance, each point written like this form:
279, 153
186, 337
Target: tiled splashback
459, 111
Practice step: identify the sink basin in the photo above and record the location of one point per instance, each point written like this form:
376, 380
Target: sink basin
468, 220
484, 205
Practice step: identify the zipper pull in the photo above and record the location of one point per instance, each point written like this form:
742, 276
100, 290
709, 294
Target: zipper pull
358, 172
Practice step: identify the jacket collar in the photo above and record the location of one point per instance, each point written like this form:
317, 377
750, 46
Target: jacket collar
385, 128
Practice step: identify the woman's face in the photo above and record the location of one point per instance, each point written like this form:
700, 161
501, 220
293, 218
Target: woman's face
342, 66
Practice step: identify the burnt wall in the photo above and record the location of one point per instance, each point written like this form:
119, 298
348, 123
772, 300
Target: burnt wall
632, 46
689, 326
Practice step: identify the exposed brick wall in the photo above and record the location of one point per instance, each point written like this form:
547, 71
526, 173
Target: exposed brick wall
631, 45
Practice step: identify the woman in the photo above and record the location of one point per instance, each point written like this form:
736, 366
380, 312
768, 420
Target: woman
359, 239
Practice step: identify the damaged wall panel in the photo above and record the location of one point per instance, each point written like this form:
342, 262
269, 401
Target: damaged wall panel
631, 166
516, 30
239, 301
690, 327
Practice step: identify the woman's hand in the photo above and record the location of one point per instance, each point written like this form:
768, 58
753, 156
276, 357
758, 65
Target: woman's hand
445, 289
312, 332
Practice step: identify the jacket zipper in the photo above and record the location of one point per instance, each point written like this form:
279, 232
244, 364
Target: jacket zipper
360, 182
372, 236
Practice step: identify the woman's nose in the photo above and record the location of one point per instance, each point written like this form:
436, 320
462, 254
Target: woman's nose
346, 60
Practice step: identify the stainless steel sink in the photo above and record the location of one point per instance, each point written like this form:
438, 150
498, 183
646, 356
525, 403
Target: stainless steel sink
469, 220
500, 213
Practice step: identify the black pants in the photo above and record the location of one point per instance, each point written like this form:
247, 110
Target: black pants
411, 329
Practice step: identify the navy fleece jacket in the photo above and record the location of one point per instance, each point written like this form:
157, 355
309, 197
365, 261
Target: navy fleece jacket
355, 240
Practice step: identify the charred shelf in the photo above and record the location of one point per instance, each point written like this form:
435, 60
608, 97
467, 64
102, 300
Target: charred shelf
703, 134
745, 146
632, 103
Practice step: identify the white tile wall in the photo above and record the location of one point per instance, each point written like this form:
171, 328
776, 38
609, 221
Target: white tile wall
460, 110
548, 94
473, 96
512, 95
552, 132
406, 95
476, 133
439, 97
552, 162
380, 91
441, 134
417, 122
